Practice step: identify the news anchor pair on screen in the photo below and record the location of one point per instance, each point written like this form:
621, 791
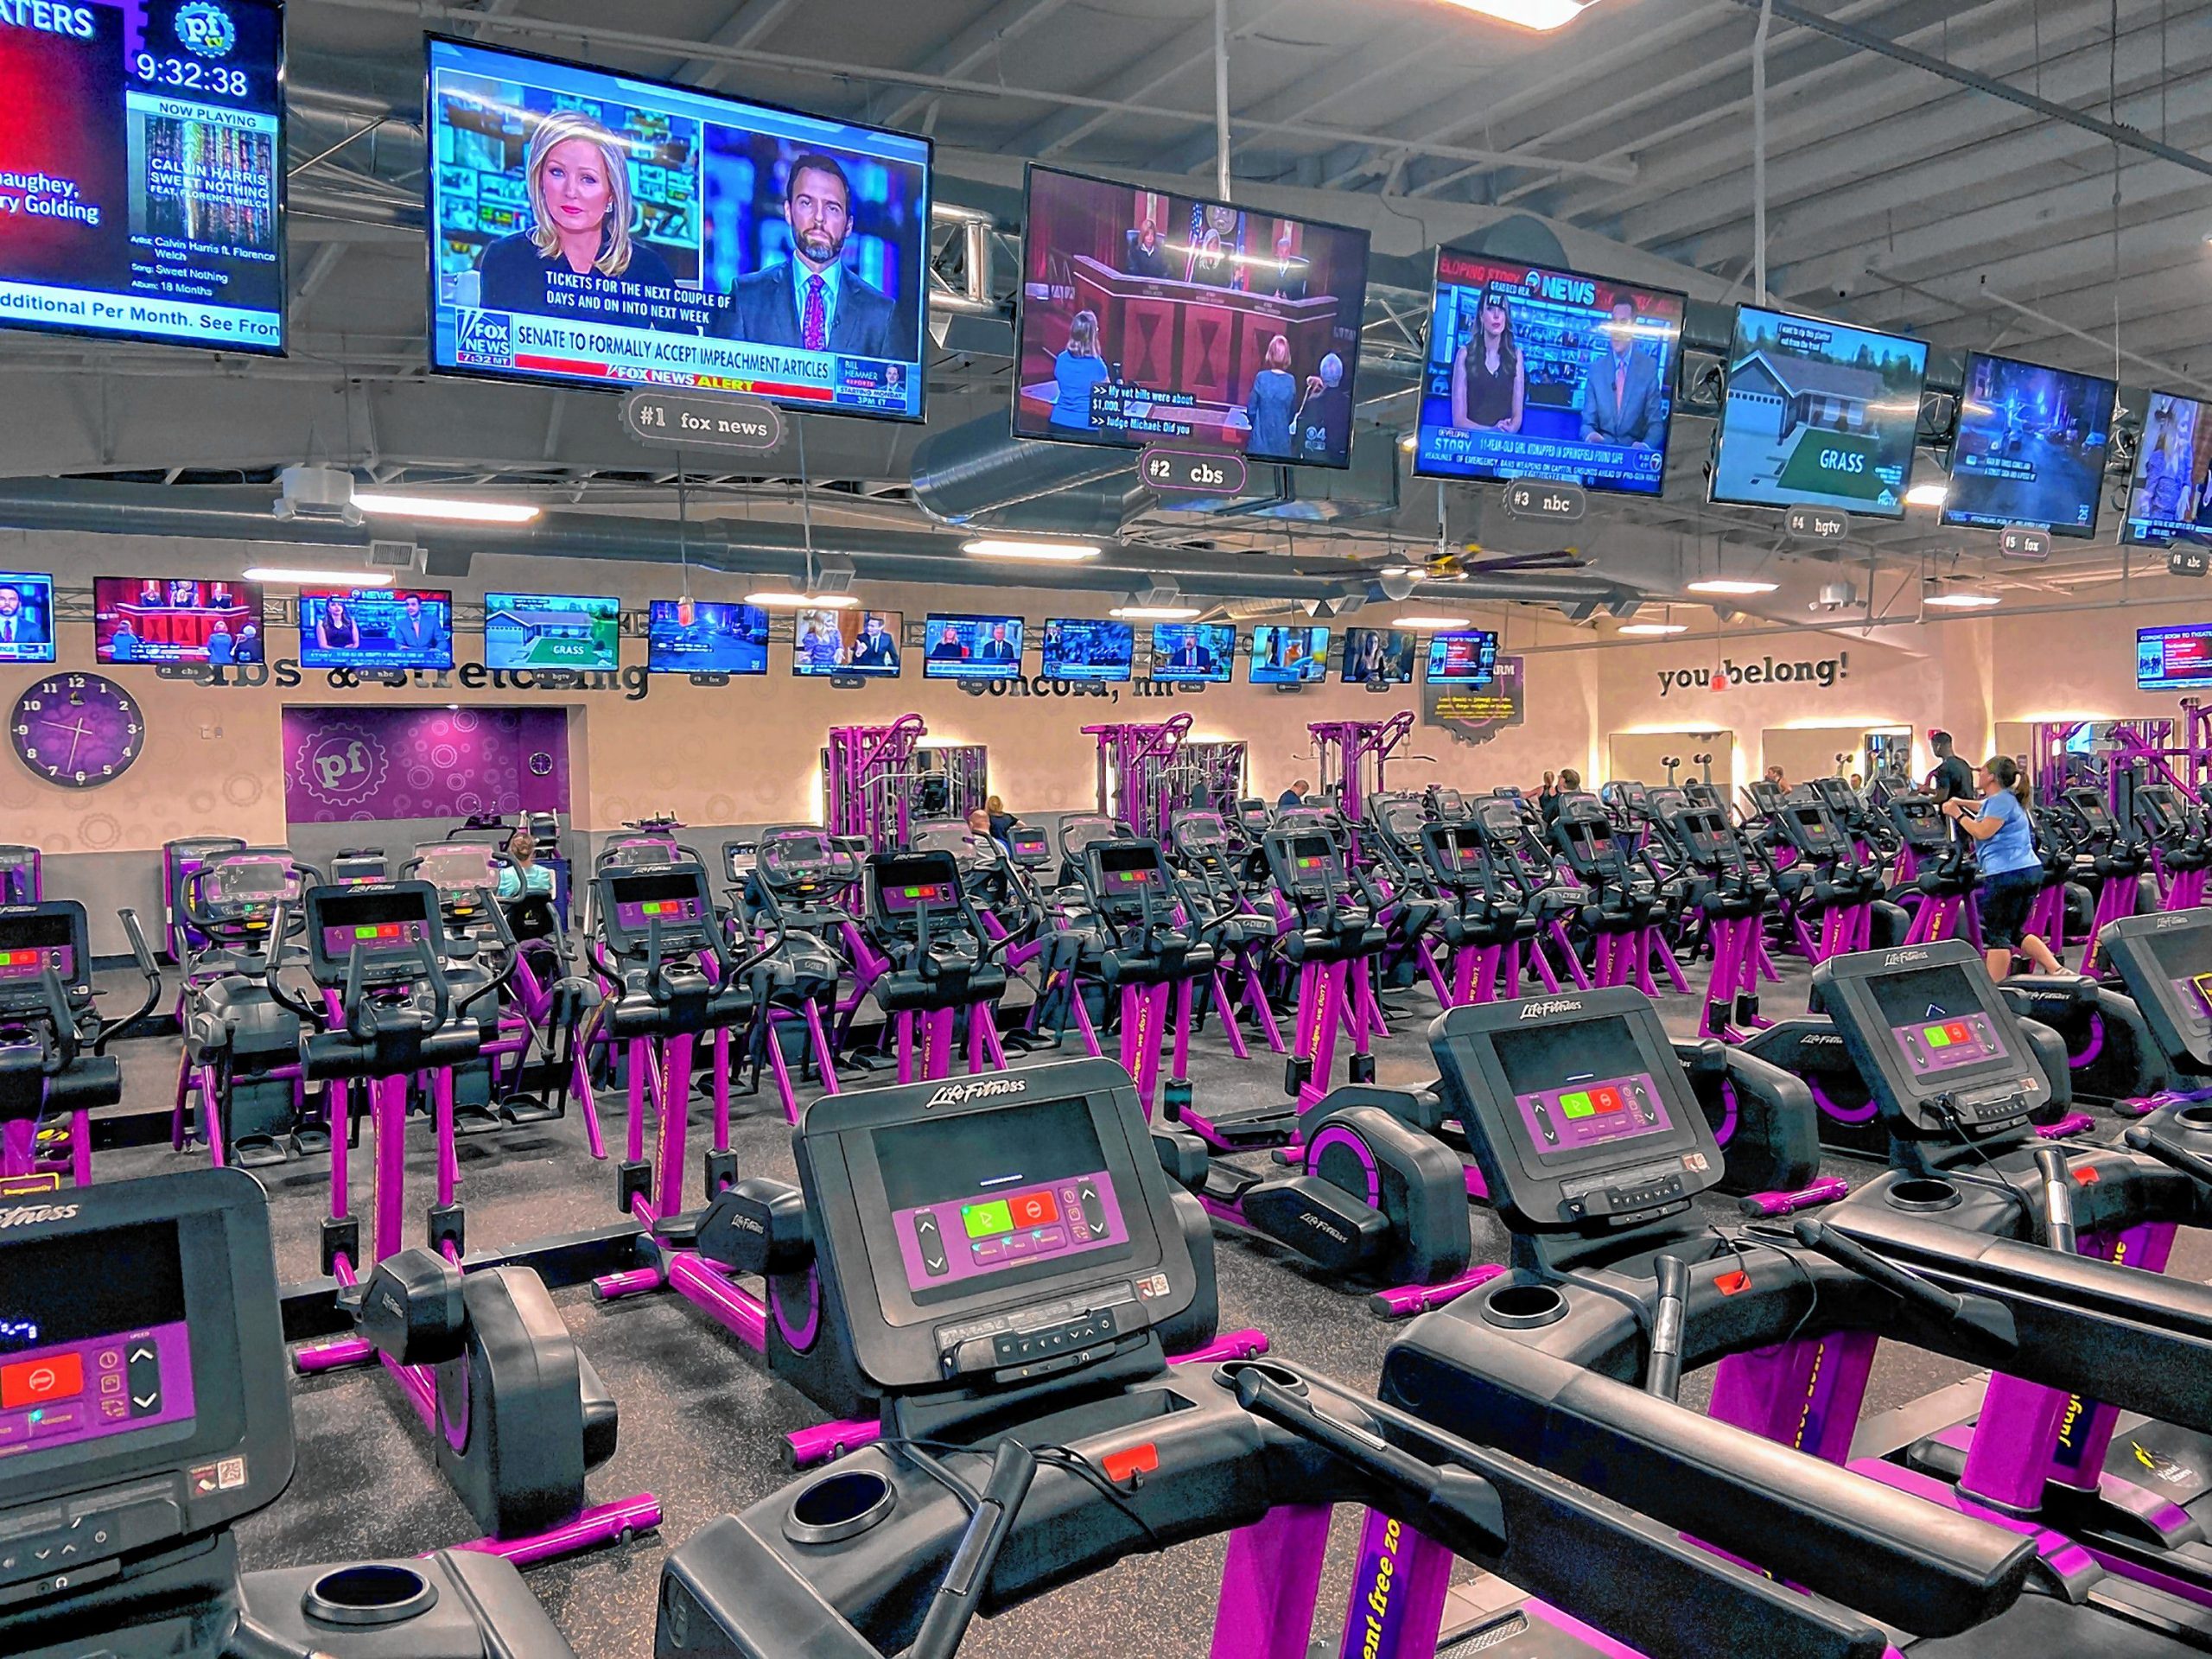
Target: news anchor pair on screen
577, 175
1621, 401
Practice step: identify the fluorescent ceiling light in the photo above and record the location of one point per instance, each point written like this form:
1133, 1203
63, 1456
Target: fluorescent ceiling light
1430, 622
1528, 13
319, 578
985, 547
1155, 612
787, 600
1655, 627
432, 506
1963, 600
1920, 495
1734, 586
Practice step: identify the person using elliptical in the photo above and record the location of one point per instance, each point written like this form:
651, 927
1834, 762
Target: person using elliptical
2011, 874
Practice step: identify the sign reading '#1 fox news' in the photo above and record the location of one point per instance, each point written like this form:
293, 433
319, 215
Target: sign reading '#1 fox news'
598, 229
142, 172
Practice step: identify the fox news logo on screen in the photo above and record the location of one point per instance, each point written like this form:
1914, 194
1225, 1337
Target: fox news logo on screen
484, 338
205, 30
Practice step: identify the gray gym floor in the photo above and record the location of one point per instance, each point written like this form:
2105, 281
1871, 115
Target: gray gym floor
700, 1422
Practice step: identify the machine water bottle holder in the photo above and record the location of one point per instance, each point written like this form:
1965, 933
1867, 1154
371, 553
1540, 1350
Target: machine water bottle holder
842, 1505
1923, 1195
1281, 1376
1524, 1307
2195, 1119
369, 1594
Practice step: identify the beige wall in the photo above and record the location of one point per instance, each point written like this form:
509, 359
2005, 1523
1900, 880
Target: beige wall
750, 752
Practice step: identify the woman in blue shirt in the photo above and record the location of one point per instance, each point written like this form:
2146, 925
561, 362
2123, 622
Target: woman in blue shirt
1275, 395
2012, 871
1076, 371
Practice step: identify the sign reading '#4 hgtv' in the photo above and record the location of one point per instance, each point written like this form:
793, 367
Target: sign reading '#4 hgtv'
1475, 714
1823, 671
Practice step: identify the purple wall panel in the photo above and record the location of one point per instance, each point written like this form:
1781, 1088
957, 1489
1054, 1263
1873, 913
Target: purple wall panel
365, 764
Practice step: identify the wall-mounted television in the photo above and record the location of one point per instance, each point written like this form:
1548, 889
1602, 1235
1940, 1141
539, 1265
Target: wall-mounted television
602, 229
2169, 496
177, 619
1087, 648
1817, 413
581, 630
705, 636
972, 648
1147, 317
376, 627
865, 644
2030, 448
1193, 652
145, 171
1540, 373
1288, 656
1377, 657
2177, 658
26, 617
1462, 657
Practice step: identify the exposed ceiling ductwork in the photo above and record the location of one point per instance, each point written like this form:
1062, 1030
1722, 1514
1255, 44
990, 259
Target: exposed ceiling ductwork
980, 473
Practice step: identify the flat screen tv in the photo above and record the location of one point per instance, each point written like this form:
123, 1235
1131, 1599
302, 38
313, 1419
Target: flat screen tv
144, 171
972, 648
2177, 658
1151, 318
2169, 496
580, 631
1462, 657
177, 619
1817, 413
1377, 657
2031, 448
1540, 373
1288, 656
1085, 648
1202, 652
376, 627
705, 636
725, 246
850, 641
26, 617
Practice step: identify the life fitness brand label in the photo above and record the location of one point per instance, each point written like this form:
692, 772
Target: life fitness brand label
1823, 671
36, 1215
959, 1094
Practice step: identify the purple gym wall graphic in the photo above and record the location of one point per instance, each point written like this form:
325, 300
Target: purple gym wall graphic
358, 764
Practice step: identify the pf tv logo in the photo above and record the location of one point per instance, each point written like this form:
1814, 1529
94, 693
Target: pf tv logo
205, 29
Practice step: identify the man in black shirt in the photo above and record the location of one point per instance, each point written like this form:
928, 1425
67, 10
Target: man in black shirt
1953, 778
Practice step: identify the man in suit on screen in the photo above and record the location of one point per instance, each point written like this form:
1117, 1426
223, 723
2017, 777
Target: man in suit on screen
1620, 396
810, 300
997, 648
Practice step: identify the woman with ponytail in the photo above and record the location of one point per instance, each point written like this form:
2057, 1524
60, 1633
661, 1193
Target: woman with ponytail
2011, 874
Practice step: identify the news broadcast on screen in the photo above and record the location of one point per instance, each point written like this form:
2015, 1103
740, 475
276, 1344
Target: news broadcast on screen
688, 636
177, 619
829, 642
142, 171
971, 648
2030, 448
1283, 655
580, 631
1148, 317
1079, 648
376, 628
599, 229
2175, 659
1539, 374
1818, 414
2169, 496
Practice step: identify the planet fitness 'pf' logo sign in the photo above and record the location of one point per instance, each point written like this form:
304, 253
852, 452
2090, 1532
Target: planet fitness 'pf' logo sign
205, 29
343, 767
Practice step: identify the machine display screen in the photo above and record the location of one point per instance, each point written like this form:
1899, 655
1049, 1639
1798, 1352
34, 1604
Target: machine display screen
1466, 844
2182, 958
1580, 1085
1312, 858
29, 943
89, 1358
987, 1192
374, 921
641, 900
1937, 1021
904, 898
1812, 822
1124, 867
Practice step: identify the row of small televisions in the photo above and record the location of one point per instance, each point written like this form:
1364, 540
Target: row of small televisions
156, 620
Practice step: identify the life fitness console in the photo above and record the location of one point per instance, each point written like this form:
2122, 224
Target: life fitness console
1942, 1056
2164, 960
1579, 1114
144, 1412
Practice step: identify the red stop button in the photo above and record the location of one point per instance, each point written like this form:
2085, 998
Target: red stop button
35, 1381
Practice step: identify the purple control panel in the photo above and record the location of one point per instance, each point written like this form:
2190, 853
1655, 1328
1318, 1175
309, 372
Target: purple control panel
1946, 1042
2195, 992
1585, 1112
636, 917
87, 1390
338, 943
906, 897
970, 1239
30, 961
